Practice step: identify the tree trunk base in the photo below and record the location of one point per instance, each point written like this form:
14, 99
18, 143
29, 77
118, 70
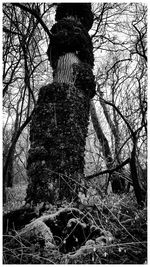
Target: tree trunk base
68, 231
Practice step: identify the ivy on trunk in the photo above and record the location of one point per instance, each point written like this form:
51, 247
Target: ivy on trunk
60, 120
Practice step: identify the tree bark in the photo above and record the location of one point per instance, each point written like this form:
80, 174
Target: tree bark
10, 173
101, 137
60, 121
139, 192
64, 70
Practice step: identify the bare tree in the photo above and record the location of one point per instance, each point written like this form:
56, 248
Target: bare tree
22, 61
120, 41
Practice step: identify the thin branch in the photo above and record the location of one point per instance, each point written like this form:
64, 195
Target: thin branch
108, 171
100, 21
141, 41
36, 15
124, 119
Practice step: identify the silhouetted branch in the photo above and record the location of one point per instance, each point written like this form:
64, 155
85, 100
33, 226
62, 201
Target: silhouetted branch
36, 15
108, 171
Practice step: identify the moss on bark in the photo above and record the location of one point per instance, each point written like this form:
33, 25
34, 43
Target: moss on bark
59, 124
70, 36
66, 230
58, 133
79, 11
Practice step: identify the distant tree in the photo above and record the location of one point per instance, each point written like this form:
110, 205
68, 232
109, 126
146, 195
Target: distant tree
122, 81
6, 145
117, 182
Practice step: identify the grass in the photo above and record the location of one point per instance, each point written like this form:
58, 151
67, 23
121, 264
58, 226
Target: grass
118, 214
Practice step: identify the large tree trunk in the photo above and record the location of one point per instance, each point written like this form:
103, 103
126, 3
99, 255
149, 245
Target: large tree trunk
60, 120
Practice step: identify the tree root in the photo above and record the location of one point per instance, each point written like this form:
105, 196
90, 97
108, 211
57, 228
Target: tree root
68, 231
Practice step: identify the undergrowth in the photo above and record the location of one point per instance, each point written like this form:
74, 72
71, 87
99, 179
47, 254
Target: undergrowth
118, 214
15, 197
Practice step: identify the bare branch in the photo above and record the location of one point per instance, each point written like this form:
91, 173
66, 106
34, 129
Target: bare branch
89, 177
124, 119
36, 15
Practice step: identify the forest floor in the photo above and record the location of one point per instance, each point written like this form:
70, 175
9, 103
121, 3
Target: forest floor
118, 214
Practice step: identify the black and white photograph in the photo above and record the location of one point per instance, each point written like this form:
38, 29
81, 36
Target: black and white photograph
74, 132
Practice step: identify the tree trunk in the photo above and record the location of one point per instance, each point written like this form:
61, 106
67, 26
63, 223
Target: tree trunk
10, 173
64, 70
60, 121
101, 137
139, 192
113, 126
117, 182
